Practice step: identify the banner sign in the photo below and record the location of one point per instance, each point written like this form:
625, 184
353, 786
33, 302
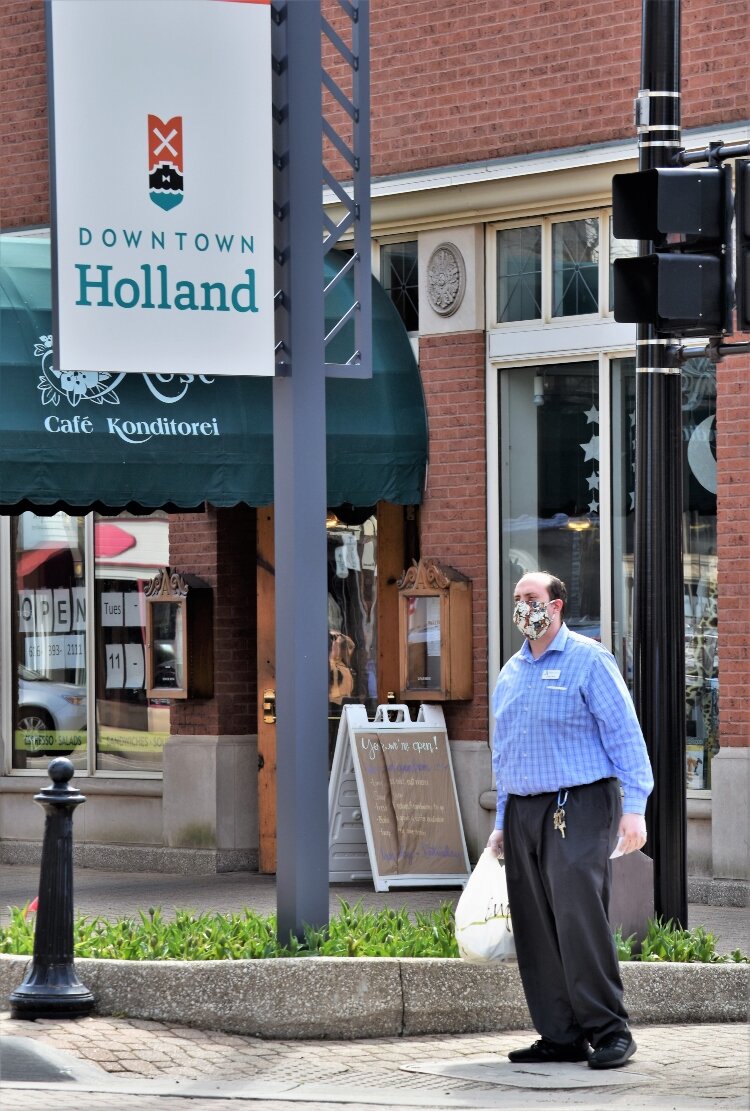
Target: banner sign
162, 186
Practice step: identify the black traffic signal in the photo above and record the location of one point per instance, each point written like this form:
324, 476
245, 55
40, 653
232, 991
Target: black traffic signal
742, 241
684, 286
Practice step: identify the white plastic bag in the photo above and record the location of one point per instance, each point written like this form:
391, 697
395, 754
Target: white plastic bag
483, 928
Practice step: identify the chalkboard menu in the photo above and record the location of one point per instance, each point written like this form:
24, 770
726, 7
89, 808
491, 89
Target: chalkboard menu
405, 809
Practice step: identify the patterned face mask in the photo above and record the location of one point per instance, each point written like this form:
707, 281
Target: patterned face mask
531, 618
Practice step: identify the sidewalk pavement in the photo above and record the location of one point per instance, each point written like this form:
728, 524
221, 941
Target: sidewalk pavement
116, 1064
123, 894
125, 1064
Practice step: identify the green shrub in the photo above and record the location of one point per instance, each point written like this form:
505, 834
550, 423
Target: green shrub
666, 942
353, 932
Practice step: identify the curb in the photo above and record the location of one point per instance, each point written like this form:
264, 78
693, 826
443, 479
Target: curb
375, 997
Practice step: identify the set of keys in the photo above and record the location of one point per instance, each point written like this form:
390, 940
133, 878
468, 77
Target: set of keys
558, 818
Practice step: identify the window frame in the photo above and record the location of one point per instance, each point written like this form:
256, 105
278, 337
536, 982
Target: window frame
377, 268
7, 610
547, 221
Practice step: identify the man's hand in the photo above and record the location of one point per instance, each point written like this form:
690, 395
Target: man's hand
632, 833
495, 843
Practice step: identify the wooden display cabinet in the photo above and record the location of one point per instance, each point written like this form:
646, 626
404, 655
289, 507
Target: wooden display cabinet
435, 634
179, 636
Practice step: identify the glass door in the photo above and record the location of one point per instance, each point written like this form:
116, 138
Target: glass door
699, 550
550, 483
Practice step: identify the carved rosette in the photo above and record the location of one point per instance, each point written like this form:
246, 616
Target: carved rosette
446, 279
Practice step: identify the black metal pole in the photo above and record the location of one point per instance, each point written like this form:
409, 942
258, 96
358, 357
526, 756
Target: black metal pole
51, 988
658, 619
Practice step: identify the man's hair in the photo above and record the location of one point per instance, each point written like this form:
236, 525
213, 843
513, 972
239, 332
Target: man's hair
557, 589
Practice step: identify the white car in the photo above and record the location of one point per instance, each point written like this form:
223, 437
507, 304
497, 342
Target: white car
46, 707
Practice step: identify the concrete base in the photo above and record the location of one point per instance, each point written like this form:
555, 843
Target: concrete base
718, 893
139, 858
201, 818
328, 997
210, 799
699, 840
730, 813
472, 769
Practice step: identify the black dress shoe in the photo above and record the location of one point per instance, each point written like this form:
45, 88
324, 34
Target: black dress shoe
613, 1051
547, 1051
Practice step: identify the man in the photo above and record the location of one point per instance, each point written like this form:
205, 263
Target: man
565, 733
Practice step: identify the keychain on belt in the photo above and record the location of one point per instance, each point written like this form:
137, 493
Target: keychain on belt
558, 818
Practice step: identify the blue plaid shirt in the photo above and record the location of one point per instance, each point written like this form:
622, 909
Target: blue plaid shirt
565, 719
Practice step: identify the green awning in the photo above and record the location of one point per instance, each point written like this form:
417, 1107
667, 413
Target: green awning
83, 441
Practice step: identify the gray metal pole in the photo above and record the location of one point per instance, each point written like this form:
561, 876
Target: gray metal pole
299, 433
658, 617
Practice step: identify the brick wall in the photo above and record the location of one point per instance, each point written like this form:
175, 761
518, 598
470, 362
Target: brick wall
456, 83
24, 179
733, 454
454, 515
453, 83
219, 545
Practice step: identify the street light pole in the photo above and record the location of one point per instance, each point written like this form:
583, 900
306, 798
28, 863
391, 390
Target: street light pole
658, 617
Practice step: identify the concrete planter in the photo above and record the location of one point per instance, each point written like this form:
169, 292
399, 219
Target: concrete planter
333, 997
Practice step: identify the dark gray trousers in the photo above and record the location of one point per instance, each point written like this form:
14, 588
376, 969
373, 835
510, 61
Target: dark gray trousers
558, 888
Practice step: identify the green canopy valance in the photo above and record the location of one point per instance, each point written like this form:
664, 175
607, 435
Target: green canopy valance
80, 441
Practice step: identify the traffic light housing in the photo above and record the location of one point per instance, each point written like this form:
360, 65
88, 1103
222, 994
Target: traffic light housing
742, 242
684, 286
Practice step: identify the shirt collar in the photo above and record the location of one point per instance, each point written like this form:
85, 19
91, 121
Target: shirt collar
557, 645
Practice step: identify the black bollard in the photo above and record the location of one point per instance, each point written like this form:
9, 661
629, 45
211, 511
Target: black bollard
51, 988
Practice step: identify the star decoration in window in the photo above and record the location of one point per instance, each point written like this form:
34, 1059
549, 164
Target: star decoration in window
591, 449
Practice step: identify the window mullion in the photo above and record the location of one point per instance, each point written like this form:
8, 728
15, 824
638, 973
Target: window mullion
604, 219
547, 271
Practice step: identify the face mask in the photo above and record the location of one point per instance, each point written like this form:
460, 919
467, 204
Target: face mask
531, 618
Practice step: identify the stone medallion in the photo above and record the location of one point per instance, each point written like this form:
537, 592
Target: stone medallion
446, 279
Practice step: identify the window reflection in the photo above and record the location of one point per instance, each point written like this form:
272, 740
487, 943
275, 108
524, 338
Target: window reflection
131, 728
352, 612
423, 636
551, 494
699, 545
575, 267
49, 706
399, 276
519, 274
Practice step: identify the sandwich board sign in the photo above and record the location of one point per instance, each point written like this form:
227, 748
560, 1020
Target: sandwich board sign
393, 807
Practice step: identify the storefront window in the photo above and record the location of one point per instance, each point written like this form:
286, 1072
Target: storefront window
699, 541
49, 666
131, 728
352, 613
550, 491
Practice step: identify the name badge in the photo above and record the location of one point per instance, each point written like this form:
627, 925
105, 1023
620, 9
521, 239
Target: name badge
551, 674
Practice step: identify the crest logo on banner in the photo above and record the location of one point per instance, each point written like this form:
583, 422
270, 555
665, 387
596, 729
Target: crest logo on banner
165, 181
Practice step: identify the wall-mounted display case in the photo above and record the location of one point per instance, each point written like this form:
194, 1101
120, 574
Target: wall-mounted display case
435, 633
179, 636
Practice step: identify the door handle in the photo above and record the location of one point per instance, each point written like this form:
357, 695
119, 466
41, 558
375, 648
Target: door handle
269, 707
